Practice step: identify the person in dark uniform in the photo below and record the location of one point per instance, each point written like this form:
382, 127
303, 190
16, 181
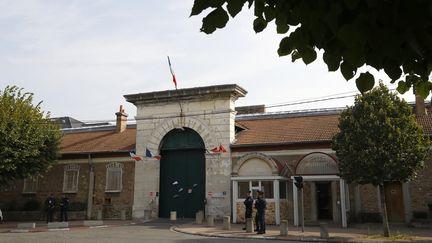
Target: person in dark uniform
248, 202
261, 205
64, 204
50, 206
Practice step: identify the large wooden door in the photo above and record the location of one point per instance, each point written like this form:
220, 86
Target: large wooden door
182, 174
394, 201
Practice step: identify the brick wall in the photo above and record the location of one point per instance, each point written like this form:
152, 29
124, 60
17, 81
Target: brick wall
111, 204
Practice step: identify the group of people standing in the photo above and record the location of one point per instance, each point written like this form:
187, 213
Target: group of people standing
260, 204
50, 204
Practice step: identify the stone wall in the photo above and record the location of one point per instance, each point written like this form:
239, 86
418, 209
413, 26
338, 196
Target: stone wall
269, 213
208, 112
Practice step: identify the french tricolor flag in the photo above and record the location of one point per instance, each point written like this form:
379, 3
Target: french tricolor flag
134, 156
149, 154
172, 73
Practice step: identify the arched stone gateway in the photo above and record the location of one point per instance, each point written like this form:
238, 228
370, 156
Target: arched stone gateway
182, 173
207, 111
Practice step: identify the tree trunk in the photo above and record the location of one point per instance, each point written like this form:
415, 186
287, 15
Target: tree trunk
384, 211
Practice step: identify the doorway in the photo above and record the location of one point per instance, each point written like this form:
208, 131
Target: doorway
394, 201
324, 200
182, 173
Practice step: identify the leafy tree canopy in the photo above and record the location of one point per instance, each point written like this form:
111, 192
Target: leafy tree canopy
29, 142
379, 139
394, 36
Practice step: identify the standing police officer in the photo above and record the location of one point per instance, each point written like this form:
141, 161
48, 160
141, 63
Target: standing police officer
248, 202
261, 205
64, 203
50, 205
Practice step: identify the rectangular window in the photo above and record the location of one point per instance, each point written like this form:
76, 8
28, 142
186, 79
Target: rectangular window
30, 185
243, 188
114, 177
70, 183
267, 187
70, 178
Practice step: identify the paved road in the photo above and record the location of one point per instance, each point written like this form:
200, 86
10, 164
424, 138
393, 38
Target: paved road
149, 232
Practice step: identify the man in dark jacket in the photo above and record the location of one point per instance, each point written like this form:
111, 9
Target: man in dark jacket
64, 204
50, 206
261, 205
248, 202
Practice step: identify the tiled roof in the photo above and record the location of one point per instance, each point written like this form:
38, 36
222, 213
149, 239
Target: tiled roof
287, 129
305, 128
98, 141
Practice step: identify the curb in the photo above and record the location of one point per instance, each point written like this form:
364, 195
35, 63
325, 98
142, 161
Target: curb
230, 235
79, 227
251, 237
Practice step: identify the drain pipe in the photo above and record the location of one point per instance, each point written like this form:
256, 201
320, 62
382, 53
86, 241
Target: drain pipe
90, 188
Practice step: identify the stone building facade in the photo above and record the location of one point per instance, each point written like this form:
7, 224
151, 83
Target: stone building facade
201, 152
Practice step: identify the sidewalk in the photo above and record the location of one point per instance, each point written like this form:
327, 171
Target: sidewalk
355, 233
41, 226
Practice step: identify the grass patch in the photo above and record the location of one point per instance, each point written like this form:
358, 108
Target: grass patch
395, 237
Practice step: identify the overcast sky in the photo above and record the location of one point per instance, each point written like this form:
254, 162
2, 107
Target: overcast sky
80, 57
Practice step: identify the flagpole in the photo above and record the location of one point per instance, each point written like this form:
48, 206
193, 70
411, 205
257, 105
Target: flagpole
175, 84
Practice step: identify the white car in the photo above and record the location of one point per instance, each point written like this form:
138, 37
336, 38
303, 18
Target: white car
1, 216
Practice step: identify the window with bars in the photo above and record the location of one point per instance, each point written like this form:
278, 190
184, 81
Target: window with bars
114, 177
70, 178
255, 186
30, 185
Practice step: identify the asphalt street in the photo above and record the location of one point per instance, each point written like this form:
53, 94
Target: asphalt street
149, 232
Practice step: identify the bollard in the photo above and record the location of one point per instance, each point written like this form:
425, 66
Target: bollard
284, 228
249, 225
173, 215
199, 217
226, 223
147, 214
210, 221
26, 225
99, 215
123, 214
323, 231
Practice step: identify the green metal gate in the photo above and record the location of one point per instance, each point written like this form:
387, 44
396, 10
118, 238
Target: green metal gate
182, 173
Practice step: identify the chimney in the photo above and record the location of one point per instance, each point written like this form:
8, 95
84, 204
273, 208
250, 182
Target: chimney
121, 121
420, 109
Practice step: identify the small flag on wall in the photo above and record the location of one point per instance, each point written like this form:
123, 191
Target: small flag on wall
172, 73
134, 156
149, 154
218, 149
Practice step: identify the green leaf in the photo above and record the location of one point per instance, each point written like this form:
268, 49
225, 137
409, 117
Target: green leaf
332, 60
269, 13
285, 47
259, 25
259, 8
347, 70
282, 26
215, 19
308, 54
354, 56
402, 87
365, 82
423, 88
295, 55
199, 6
392, 70
235, 6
